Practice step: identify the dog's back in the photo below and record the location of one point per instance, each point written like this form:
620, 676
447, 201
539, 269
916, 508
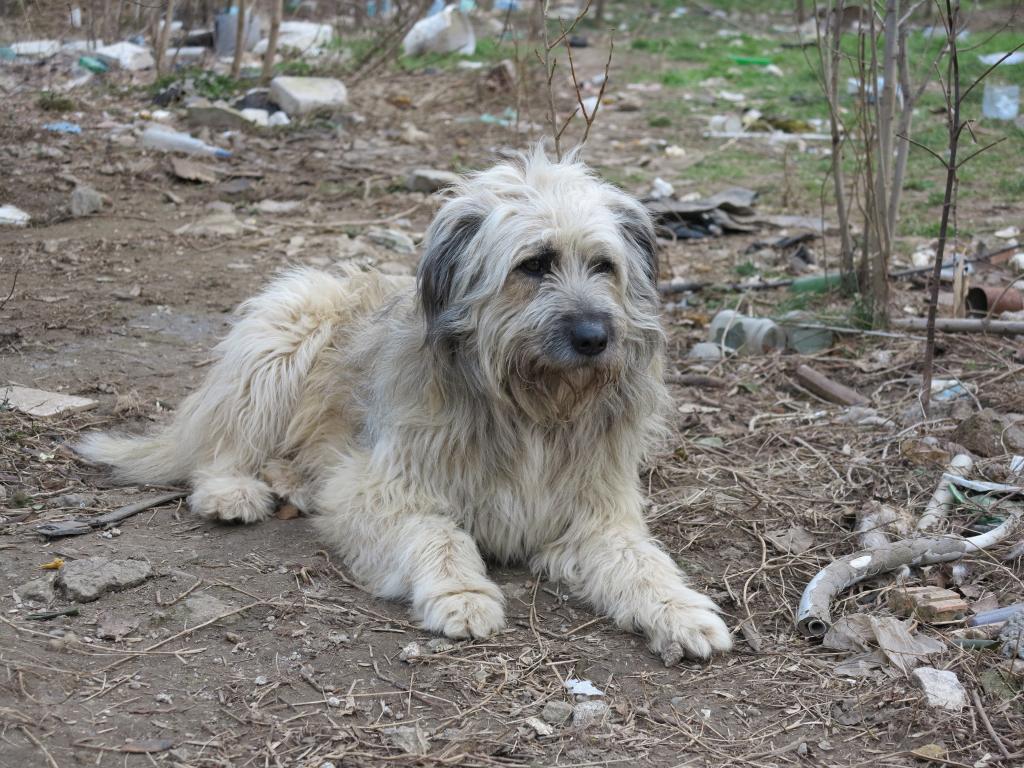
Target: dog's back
240, 416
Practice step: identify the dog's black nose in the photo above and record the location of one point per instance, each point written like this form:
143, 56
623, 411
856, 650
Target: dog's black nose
589, 337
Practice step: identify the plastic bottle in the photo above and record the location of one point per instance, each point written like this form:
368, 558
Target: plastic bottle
167, 140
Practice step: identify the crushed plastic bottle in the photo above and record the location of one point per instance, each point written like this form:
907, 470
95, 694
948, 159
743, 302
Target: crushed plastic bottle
166, 140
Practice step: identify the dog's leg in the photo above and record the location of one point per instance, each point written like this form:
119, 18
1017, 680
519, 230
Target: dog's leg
398, 551
611, 560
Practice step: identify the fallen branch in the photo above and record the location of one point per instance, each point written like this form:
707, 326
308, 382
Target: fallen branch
79, 527
814, 615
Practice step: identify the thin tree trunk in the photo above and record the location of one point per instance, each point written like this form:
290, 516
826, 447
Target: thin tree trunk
832, 61
236, 63
275, 27
953, 125
164, 38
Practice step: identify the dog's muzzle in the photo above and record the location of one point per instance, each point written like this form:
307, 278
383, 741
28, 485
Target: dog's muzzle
588, 334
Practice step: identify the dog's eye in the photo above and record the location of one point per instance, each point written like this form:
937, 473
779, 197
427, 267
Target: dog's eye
603, 267
536, 267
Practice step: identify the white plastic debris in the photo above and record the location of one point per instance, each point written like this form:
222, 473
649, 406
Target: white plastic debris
661, 189
258, 116
1017, 57
126, 56
1008, 233
302, 95
13, 217
36, 49
306, 37
578, 687
445, 32
164, 139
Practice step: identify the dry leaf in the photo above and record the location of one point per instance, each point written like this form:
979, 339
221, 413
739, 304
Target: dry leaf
53, 565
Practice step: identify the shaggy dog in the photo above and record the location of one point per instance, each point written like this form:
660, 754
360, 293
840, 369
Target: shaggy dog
499, 405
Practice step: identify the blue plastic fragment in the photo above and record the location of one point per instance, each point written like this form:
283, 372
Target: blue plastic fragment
63, 127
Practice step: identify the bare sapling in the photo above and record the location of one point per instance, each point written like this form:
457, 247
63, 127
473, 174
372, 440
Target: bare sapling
548, 60
955, 127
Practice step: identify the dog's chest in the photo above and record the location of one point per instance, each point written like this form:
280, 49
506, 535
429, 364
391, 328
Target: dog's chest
519, 507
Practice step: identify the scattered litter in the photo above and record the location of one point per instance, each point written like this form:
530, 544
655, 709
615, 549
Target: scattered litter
36, 49
305, 95
39, 403
748, 335
90, 578
278, 119
258, 117
304, 37
579, 687
167, 140
1008, 233
705, 350
895, 643
11, 216
942, 689
126, 55
728, 211
63, 127
991, 300
278, 206
446, 32
1001, 102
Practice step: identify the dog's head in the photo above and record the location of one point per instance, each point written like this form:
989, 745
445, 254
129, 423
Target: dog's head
541, 278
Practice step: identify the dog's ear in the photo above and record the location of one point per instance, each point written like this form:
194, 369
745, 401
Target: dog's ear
435, 277
638, 232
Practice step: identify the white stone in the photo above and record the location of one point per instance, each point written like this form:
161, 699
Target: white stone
37, 402
126, 56
302, 95
589, 713
13, 217
87, 579
556, 712
941, 688
36, 49
85, 201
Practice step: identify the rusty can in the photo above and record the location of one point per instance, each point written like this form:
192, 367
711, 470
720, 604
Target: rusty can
984, 301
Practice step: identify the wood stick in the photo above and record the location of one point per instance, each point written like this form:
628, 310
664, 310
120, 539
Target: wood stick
825, 388
164, 37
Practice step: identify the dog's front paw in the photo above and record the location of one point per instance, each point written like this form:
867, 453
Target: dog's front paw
686, 631
471, 612
232, 498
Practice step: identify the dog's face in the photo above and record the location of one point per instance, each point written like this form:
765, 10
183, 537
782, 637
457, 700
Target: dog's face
543, 279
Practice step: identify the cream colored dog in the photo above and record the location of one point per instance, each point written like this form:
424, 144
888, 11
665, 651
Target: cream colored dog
498, 405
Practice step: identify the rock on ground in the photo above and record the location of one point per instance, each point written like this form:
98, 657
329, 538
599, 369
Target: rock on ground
428, 180
87, 579
941, 688
205, 607
589, 713
302, 95
85, 201
37, 590
988, 434
556, 712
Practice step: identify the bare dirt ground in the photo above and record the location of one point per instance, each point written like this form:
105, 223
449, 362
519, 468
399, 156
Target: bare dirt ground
248, 647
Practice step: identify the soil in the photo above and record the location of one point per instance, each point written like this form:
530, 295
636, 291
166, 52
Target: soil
248, 647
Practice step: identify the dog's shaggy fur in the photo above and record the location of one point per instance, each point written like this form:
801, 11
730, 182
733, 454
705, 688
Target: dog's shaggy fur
499, 406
